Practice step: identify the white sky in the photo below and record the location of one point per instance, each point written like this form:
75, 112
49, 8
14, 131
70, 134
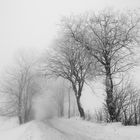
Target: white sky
33, 23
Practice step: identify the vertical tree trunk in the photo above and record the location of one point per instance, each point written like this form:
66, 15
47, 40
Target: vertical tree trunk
27, 115
135, 114
81, 110
109, 91
139, 111
20, 111
69, 103
20, 119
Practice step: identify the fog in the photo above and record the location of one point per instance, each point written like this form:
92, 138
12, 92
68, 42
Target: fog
45, 106
33, 25
47, 101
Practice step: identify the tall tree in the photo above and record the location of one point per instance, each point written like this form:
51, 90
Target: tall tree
71, 62
109, 37
18, 87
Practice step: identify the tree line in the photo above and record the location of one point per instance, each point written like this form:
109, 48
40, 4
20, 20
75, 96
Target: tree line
89, 46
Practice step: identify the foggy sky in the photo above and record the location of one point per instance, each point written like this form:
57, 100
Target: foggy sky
34, 23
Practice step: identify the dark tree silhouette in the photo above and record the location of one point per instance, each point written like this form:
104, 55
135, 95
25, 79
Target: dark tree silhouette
109, 38
71, 62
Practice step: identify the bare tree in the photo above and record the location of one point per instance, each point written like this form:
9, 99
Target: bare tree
18, 87
131, 107
110, 38
71, 62
126, 99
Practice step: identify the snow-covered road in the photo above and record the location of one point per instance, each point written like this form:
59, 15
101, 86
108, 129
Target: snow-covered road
42, 130
51, 130
65, 129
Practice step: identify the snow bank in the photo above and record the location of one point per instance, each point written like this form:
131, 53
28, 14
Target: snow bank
8, 123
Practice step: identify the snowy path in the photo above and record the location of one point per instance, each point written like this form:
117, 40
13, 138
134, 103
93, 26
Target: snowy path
38, 130
49, 130
64, 129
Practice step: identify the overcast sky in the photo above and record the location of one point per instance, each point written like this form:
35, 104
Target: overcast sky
34, 23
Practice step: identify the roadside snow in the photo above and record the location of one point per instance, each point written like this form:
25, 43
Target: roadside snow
66, 129
8, 123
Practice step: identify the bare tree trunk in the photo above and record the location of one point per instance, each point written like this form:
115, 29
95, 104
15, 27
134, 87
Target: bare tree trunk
109, 91
20, 114
139, 111
20, 119
27, 114
69, 103
135, 115
78, 96
81, 110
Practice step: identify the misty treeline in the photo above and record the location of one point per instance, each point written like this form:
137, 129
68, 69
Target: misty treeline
28, 94
89, 47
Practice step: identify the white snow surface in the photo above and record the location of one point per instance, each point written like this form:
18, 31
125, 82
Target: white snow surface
66, 129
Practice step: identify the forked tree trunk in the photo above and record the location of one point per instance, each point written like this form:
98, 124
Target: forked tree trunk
78, 93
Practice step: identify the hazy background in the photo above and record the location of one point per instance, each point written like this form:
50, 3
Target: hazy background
33, 24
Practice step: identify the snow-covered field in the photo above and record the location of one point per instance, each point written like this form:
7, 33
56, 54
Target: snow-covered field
66, 129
